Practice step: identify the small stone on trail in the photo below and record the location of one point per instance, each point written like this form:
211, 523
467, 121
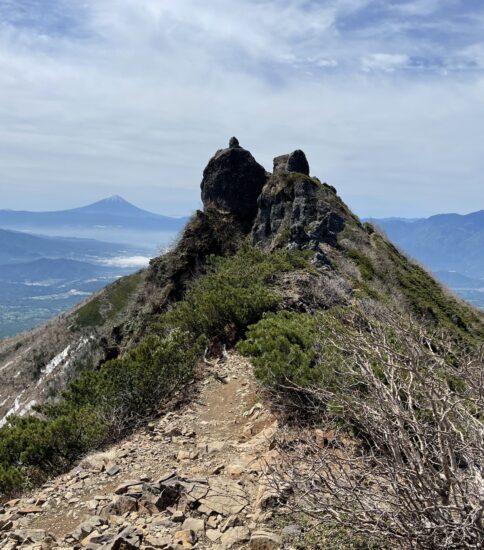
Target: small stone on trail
113, 470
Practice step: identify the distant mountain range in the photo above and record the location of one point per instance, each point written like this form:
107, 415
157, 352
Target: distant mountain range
45, 268
113, 212
18, 247
446, 242
43, 276
450, 245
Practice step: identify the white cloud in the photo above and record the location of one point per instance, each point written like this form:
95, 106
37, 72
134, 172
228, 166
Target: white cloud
131, 97
126, 261
419, 7
384, 62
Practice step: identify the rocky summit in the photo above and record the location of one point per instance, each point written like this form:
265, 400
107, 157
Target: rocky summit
286, 207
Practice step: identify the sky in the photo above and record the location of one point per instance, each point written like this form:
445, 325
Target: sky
132, 97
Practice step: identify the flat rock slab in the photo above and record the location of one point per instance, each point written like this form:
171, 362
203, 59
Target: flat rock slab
235, 536
29, 510
225, 497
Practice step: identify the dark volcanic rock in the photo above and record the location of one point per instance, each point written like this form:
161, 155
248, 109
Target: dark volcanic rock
297, 162
296, 210
294, 162
232, 181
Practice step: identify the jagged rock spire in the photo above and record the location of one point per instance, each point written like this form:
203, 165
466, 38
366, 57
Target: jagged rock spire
232, 182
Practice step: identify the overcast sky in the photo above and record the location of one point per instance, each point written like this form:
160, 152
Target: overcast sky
132, 97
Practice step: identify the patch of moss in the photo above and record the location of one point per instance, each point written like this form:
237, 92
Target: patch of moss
90, 315
119, 293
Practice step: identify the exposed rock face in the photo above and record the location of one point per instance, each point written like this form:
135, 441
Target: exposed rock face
289, 207
296, 210
297, 162
294, 162
232, 181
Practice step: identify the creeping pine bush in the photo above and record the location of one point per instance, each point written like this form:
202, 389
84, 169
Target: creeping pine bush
283, 348
128, 389
286, 350
233, 293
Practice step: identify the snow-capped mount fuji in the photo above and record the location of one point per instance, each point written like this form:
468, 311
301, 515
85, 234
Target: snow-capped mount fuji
110, 212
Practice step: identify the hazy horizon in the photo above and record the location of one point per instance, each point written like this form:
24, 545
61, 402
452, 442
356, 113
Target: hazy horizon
189, 213
133, 97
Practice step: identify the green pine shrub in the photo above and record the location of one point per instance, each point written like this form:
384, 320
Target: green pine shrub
233, 293
283, 349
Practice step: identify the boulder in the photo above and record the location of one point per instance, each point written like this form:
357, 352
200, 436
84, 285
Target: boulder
87, 527
186, 538
234, 143
280, 164
297, 162
124, 487
29, 535
162, 494
293, 162
234, 537
195, 525
122, 505
127, 539
113, 470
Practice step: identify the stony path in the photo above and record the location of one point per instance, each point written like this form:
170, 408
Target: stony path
192, 479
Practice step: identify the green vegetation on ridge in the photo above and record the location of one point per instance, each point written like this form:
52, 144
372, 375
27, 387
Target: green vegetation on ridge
104, 403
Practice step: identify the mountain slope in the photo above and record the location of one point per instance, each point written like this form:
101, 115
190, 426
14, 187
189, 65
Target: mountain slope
111, 212
369, 364
446, 242
294, 212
